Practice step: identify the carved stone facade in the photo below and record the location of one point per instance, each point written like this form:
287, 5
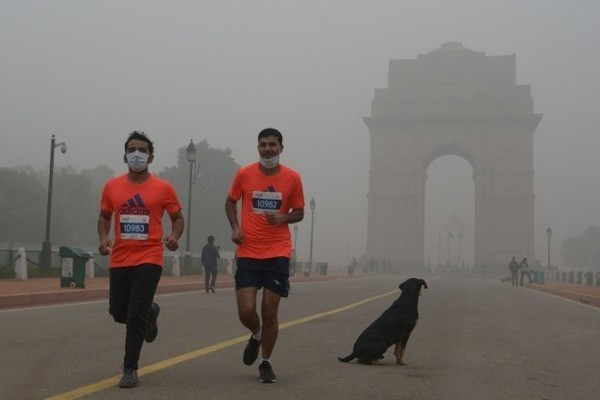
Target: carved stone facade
452, 101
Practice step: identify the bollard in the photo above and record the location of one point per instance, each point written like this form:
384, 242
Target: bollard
89, 266
175, 271
21, 264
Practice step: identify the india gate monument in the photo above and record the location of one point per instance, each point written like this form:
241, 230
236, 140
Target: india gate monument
452, 101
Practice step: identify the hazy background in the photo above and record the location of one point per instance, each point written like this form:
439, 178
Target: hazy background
92, 71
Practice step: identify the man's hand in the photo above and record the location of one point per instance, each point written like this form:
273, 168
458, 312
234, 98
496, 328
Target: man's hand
275, 218
171, 243
237, 236
104, 247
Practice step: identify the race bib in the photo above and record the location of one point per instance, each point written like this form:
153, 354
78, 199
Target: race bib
134, 227
266, 202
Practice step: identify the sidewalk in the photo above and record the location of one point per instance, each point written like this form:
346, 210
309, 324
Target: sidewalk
585, 294
41, 291
16, 293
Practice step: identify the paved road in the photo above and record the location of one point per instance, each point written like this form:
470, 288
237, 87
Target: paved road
474, 340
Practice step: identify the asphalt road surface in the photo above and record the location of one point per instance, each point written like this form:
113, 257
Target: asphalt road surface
475, 339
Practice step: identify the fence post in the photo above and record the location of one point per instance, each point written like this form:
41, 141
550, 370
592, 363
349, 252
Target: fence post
175, 266
89, 266
21, 264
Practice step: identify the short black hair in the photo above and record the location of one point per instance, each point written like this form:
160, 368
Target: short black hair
271, 132
211, 239
139, 135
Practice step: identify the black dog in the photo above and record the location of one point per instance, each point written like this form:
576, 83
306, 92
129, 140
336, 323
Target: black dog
392, 327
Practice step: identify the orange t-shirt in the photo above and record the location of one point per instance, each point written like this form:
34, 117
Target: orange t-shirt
262, 194
138, 210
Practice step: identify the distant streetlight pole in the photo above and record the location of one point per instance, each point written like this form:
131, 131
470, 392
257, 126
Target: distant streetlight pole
46, 256
312, 222
294, 259
548, 235
296, 238
191, 152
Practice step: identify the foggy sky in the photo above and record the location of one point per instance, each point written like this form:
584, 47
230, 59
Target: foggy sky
90, 72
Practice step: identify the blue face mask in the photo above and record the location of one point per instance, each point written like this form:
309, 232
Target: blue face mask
137, 161
269, 163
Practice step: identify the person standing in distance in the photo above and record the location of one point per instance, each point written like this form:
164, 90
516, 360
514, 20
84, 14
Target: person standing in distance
137, 201
272, 197
210, 256
513, 266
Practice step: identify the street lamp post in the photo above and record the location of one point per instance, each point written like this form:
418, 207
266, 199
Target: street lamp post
312, 222
294, 260
46, 257
295, 237
548, 235
191, 157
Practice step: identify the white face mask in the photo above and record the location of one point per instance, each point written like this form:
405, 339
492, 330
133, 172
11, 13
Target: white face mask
137, 161
269, 163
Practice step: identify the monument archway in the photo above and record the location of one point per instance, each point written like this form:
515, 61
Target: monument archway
452, 101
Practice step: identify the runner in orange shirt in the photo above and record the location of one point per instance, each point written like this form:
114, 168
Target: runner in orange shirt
137, 201
272, 197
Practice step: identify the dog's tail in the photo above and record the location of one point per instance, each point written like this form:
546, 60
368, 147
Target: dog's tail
347, 358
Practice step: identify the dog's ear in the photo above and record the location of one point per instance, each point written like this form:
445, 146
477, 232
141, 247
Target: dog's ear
423, 283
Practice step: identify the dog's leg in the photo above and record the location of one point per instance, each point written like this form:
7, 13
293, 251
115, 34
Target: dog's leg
400, 347
399, 352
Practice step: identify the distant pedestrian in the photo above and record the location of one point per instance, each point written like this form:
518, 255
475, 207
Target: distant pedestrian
210, 261
136, 201
352, 267
524, 268
513, 266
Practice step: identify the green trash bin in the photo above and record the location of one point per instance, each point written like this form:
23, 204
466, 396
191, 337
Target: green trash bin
540, 277
323, 268
72, 271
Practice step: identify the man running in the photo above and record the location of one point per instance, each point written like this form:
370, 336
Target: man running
137, 201
272, 197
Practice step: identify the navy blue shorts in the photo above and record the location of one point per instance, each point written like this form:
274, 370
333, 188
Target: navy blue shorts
271, 273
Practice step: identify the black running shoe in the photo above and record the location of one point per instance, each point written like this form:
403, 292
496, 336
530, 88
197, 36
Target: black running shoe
251, 351
266, 374
152, 329
129, 379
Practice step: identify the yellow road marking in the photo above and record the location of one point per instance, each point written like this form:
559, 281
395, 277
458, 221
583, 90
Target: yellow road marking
113, 381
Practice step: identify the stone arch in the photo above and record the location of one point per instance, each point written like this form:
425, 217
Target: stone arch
452, 101
448, 148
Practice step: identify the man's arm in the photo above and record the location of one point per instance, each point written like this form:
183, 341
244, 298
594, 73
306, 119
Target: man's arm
104, 221
177, 225
231, 213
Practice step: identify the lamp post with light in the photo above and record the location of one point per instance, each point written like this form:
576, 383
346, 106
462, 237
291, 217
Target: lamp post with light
191, 153
46, 256
312, 222
548, 235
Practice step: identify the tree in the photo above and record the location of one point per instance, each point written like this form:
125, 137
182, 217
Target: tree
217, 168
583, 250
75, 207
97, 177
23, 205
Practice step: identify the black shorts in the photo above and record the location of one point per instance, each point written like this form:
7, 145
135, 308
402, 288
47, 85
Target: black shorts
271, 273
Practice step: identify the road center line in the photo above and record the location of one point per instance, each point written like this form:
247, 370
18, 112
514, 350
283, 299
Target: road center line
113, 381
